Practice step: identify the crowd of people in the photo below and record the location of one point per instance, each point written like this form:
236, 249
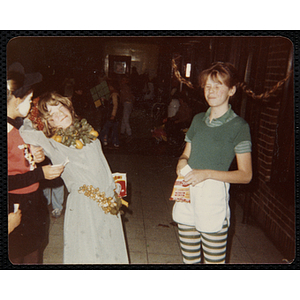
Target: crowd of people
59, 130
127, 92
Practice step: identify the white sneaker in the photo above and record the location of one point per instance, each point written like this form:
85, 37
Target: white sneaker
56, 213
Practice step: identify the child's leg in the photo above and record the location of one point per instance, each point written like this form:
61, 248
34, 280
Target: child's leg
115, 133
104, 132
190, 241
214, 245
58, 197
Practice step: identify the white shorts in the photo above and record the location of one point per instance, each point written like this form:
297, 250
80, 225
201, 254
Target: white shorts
208, 209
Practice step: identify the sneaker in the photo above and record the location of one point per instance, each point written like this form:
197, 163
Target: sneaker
56, 213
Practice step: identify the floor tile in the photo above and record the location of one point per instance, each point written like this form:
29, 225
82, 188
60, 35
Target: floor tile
56, 240
239, 255
138, 257
164, 259
159, 215
53, 255
134, 229
57, 229
265, 255
160, 234
163, 247
136, 214
136, 245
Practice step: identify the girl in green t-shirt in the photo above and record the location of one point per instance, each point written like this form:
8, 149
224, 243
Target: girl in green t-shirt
204, 221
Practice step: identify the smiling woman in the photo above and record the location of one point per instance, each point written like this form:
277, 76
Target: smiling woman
91, 236
60, 116
57, 112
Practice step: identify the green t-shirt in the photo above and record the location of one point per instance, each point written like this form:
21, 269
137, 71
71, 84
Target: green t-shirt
214, 145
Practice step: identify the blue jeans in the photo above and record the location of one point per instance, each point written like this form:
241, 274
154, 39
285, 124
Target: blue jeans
55, 196
125, 126
104, 134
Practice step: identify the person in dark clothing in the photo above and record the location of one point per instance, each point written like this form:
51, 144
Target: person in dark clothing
110, 129
181, 120
26, 241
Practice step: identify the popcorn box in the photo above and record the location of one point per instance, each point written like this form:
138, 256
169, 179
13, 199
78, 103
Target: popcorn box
121, 184
181, 191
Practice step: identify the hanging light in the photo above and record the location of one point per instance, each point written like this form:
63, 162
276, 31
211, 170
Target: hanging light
188, 68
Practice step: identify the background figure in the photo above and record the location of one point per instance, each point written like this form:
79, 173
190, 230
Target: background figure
148, 90
78, 101
110, 131
173, 107
55, 195
68, 86
127, 99
81, 101
54, 191
136, 83
84, 106
181, 120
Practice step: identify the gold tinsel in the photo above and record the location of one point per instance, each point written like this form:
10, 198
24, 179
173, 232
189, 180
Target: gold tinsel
108, 204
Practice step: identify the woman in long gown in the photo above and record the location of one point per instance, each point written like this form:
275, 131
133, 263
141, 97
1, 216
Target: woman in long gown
91, 236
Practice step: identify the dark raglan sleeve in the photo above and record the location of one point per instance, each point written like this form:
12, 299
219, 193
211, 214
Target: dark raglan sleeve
19, 181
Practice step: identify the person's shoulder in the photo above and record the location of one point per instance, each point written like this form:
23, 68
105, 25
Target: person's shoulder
240, 120
199, 116
238, 123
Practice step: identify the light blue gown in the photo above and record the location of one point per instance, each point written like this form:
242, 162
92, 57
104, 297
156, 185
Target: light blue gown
90, 235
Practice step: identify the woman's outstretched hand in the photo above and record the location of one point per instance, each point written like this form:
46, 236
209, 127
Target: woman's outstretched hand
52, 172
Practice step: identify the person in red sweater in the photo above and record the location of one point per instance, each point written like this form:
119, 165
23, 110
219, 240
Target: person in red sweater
26, 241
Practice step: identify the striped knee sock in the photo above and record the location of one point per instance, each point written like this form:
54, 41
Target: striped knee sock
214, 245
190, 241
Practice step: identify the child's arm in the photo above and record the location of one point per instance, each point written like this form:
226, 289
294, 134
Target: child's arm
183, 159
48, 172
19, 181
242, 175
34, 137
115, 106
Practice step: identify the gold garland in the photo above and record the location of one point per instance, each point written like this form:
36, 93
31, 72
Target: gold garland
243, 85
79, 134
108, 205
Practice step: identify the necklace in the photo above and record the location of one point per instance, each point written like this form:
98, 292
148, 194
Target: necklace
79, 134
